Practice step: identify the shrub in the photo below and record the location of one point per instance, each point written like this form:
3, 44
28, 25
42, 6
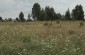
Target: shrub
58, 21
26, 40
71, 32
48, 23
81, 24
45, 24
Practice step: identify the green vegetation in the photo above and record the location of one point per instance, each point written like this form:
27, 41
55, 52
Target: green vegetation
67, 15
63, 38
81, 24
48, 14
36, 11
78, 13
21, 17
50, 34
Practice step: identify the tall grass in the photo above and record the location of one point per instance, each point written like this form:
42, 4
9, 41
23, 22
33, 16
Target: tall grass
36, 39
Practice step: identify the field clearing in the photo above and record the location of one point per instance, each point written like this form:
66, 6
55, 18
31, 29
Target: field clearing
34, 38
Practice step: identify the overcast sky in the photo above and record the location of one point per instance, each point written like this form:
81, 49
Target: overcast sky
12, 8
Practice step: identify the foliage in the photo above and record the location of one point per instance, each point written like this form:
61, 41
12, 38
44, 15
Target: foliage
0, 18
17, 19
50, 13
29, 18
78, 13
36, 11
58, 16
21, 17
67, 15
42, 15
9, 19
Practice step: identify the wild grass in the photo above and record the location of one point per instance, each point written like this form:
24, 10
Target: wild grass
33, 38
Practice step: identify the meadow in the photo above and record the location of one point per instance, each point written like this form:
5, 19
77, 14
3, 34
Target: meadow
42, 38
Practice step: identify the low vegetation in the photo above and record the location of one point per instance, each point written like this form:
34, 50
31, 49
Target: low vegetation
34, 38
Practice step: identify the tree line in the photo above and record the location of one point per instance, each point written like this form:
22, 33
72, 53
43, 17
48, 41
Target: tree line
49, 14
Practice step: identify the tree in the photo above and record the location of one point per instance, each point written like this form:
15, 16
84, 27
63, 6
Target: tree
81, 13
9, 19
75, 13
50, 13
0, 18
42, 15
47, 13
58, 16
36, 11
21, 17
29, 17
63, 17
17, 19
67, 15
78, 13
6, 20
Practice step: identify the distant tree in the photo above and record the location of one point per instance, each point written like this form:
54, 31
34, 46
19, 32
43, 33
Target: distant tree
67, 15
50, 13
81, 13
47, 13
9, 19
75, 13
6, 20
78, 13
36, 11
29, 17
62, 17
17, 19
0, 18
58, 16
21, 17
42, 15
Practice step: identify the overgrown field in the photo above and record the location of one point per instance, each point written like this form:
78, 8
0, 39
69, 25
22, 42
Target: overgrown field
42, 38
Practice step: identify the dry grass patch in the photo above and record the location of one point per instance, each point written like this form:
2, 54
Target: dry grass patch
33, 38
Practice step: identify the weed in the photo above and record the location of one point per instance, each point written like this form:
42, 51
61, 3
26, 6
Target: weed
26, 39
48, 23
81, 24
58, 21
71, 32
45, 24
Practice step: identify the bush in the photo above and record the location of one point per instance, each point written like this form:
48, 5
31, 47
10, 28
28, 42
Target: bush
26, 40
45, 24
81, 24
58, 21
48, 23
71, 32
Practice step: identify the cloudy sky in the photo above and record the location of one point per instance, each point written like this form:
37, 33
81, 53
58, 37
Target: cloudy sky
11, 8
